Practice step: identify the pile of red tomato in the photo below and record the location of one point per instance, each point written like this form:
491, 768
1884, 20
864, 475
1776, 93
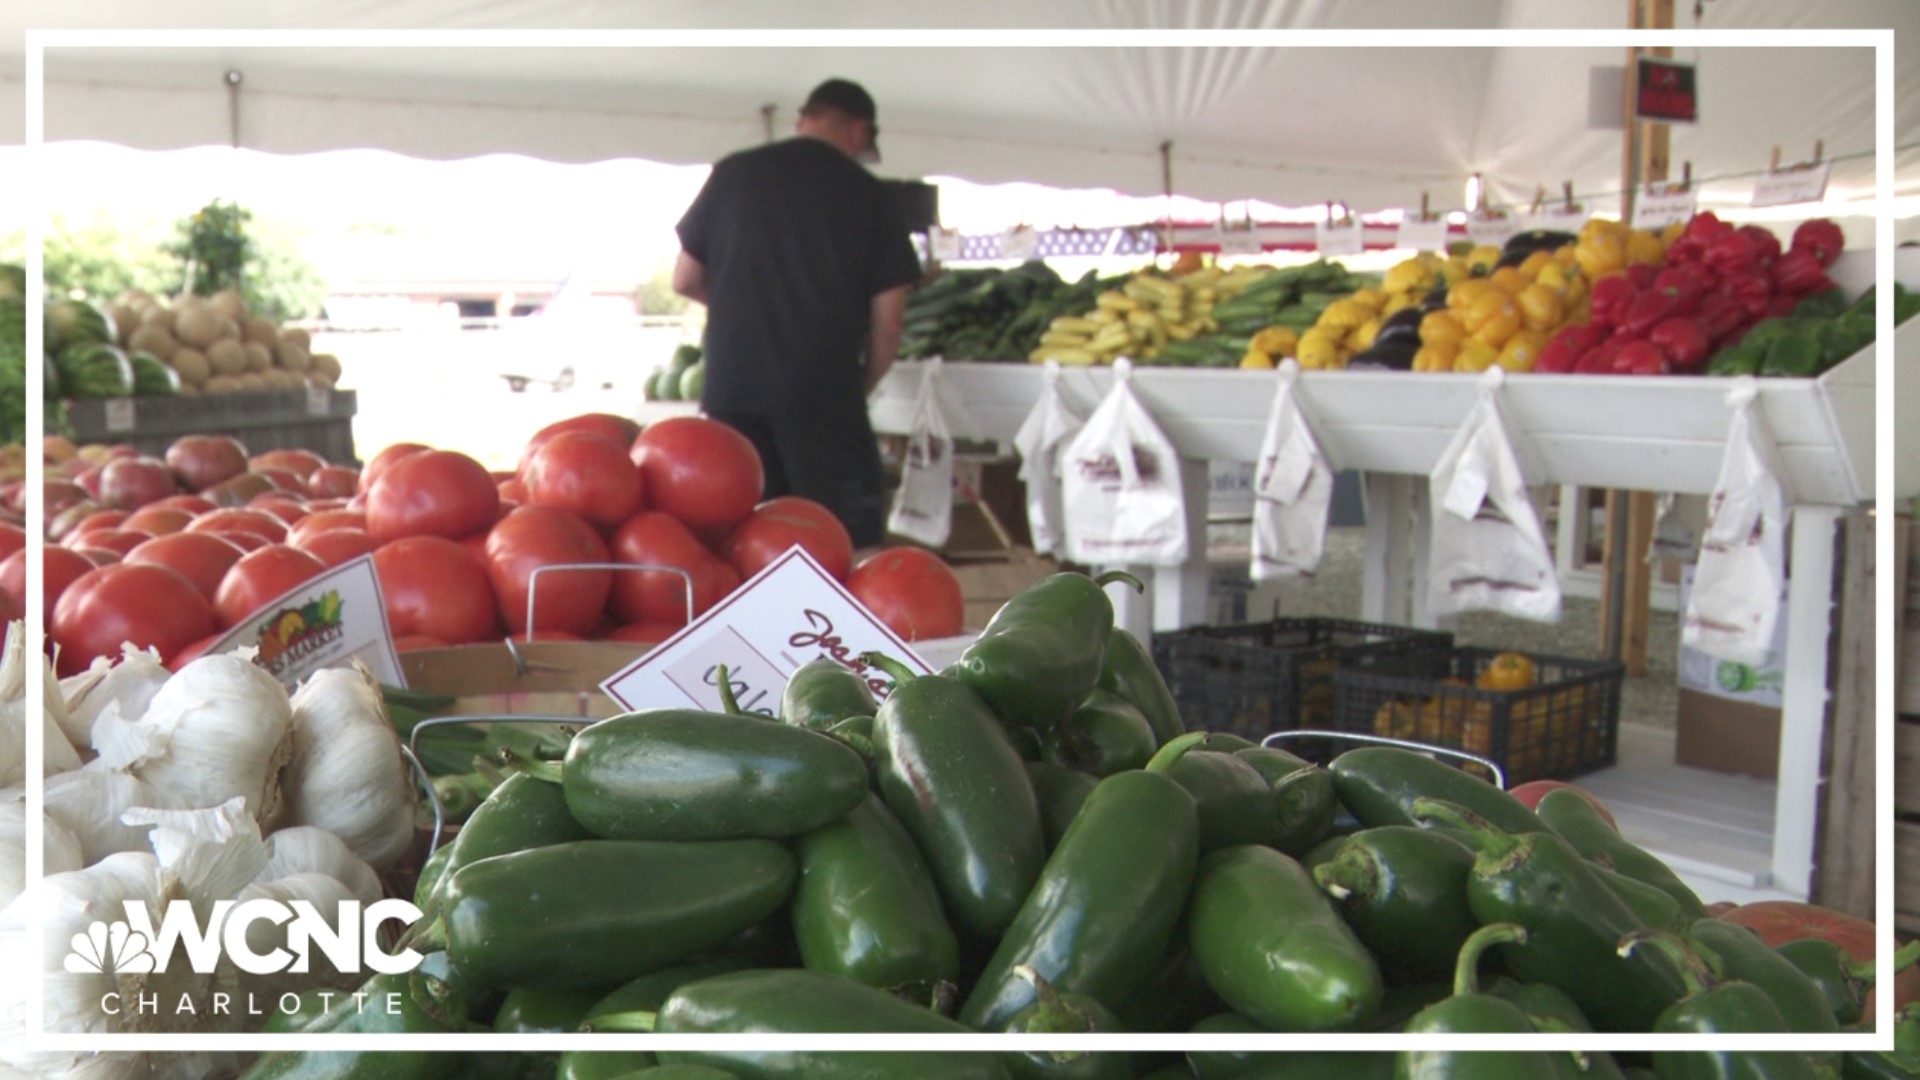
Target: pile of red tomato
172, 553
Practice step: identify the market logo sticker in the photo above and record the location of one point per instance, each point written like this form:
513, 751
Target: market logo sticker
295, 633
115, 948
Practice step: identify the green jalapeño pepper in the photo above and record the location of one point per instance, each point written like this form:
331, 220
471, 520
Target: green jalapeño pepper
409, 1003
1404, 892
678, 774
1900, 1063
1842, 981
1469, 1011
596, 912
1108, 900
866, 906
1380, 783
1130, 672
1043, 650
1303, 798
822, 692
949, 772
523, 812
1712, 1006
1056, 1013
1105, 735
1322, 1065
1061, 791
1579, 823
1742, 955
1574, 922
1272, 946
679, 1072
1224, 1064
644, 993
1235, 803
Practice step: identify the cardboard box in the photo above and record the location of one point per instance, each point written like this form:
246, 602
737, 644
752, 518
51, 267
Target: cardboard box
1729, 716
990, 581
550, 678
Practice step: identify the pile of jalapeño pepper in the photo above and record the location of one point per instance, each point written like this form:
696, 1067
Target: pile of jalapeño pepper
1029, 841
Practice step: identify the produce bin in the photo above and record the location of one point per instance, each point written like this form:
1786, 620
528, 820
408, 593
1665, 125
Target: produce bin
1566, 724
320, 421
1251, 679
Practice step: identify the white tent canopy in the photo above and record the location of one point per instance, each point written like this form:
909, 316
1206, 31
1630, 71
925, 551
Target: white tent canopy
1374, 125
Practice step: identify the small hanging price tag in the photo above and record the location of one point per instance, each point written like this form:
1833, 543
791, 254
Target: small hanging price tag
1418, 235
119, 415
1490, 230
944, 243
319, 401
1807, 183
1336, 238
1240, 242
1019, 243
1558, 218
1661, 207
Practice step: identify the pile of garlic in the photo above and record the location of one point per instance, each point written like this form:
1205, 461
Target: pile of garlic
210, 784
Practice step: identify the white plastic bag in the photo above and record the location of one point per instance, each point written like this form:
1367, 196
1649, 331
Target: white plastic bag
1120, 478
1292, 489
1041, 440
923, 507
1742, 569
1488, 553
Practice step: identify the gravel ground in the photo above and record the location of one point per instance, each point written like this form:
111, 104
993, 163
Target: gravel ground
1334, 591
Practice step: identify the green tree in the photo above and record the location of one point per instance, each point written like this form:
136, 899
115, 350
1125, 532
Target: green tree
657, 296
98, 258
222, 246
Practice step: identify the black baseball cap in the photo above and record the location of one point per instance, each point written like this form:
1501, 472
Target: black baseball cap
849, 97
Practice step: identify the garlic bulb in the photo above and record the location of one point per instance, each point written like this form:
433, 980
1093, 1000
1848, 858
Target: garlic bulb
326, 895
88, 802
214, 853
60, 851
58, 753
220, 728
347, 775
131, 683
309, 849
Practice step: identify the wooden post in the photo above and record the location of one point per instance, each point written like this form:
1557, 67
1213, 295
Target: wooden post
1626, 608
1844, 852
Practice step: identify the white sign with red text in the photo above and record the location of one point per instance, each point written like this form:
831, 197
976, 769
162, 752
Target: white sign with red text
789, 613
327, 621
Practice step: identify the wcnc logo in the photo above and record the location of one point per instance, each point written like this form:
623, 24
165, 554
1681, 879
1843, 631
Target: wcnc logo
349, 942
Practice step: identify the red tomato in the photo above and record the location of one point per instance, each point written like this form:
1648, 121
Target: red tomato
912, 590
337, 546
333, 482
384, 460
258, 578
57, 495
67, 522
192, 504
192, 652
651, 538
417, 641
99, 519
1776, 921
619, 429
778, 524
147, 605
240, 490
283, 479
431, 493
233, 519
280, 506
245, 541
119, 541
303, 463
586, 474
316, 505
158, 520
202, 558
325, 521
511, 490
100, 556
699, 470
645, 633
59, 568
433, 587
130, 483
536, 536
201, 461
1533, 791
12, 539
476, 545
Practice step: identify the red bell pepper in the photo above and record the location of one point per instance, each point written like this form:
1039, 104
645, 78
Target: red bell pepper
1648, 309
1720, 316
1820, 238
1731, 253
1609, 300
1705, 226
1766, 245
1682, 341
1752, 291
1781, 306
1599, 359
1639, 358
1688, 285
1563, 351
1641, 276
1800, 272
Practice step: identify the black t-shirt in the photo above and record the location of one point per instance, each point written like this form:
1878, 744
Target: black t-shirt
797, 240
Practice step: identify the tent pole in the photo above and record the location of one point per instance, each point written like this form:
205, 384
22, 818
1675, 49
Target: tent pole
766, 119
232, 78
1166, 186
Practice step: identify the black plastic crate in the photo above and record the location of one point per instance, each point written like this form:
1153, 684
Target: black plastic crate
1252, 679
1565, 724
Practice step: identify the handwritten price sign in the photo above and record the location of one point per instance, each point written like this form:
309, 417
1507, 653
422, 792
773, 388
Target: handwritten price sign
784, 616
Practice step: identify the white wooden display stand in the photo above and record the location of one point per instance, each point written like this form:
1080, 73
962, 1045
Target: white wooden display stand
1640, 433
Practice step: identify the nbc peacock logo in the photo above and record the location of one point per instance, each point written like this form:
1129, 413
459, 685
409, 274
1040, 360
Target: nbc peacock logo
110, 948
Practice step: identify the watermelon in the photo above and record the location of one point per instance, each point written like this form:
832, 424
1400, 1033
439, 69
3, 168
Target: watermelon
686, 356
72, 322
92, 370
693, 380
151, 375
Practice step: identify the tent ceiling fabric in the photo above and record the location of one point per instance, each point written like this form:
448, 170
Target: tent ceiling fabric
1372, 126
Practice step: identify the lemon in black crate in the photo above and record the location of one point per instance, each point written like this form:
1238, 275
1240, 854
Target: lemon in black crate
1538, 717
1253, 679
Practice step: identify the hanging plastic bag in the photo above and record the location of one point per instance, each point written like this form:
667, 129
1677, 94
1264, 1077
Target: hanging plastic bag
1742, 568
923, 507
1041, 440
1120, 479
1292, 489
1489, 553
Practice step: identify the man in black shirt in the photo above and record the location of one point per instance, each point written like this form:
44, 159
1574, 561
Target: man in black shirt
792, 248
